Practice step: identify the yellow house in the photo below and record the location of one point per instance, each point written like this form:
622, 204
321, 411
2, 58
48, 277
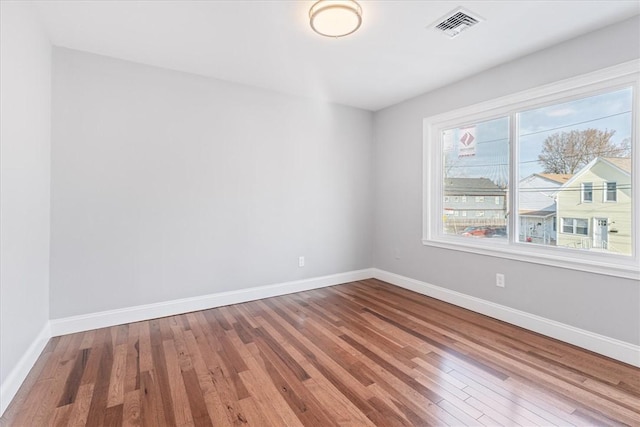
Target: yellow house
594, 207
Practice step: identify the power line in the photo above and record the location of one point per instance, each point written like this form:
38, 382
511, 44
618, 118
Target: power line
555, 128
601, 154
575, 124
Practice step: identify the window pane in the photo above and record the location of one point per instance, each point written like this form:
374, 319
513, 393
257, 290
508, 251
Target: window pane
611, 192
587, 192
574, 157
582, 226
476, 172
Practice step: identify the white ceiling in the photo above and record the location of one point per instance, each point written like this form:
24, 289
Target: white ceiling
269, 44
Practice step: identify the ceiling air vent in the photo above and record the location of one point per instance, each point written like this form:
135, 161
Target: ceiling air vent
456, 21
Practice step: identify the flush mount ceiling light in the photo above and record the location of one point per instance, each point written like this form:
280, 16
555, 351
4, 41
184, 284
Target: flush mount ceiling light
335, 18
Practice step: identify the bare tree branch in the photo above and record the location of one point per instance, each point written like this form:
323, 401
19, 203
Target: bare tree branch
567, 152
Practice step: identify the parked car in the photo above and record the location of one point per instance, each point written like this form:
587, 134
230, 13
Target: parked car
500, 232
477, 232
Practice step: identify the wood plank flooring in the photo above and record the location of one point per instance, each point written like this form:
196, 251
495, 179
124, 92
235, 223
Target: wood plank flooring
360, 354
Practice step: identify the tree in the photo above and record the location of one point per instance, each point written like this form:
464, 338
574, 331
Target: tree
567, 152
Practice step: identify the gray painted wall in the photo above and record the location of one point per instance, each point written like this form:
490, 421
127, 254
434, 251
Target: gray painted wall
601, 304
25, 142
167, 185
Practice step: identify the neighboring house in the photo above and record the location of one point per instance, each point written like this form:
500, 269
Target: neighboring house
594, 207
473, 202
537, 207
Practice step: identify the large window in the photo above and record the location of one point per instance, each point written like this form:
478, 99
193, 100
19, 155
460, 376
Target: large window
522, 163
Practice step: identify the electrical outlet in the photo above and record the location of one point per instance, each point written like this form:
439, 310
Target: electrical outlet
500, 280
301, 261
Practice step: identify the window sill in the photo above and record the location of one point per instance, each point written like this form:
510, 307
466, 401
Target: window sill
526, 252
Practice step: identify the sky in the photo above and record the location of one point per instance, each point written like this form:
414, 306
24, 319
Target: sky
608, 111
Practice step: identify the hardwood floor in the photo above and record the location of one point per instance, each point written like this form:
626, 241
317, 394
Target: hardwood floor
360, 354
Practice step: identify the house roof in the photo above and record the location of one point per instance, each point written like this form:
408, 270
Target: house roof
538, 214
623, 163
472, 186
560, 178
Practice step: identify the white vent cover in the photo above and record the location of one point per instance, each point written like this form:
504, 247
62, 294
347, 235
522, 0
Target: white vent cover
456, 21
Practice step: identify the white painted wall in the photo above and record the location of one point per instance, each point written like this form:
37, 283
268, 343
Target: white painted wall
600, 304
167, 185
25, 114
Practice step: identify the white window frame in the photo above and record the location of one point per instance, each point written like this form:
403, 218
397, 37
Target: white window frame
605, 192
574, 226
582, 192
602, 81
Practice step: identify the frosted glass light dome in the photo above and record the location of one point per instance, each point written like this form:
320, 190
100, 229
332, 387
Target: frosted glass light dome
335, 18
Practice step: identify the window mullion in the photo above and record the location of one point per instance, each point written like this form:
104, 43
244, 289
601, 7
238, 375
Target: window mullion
513, 177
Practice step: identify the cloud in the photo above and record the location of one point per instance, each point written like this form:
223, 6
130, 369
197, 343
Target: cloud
560, 112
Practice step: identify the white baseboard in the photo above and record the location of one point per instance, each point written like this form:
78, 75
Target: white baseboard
616, 349
16, 377
85, 322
